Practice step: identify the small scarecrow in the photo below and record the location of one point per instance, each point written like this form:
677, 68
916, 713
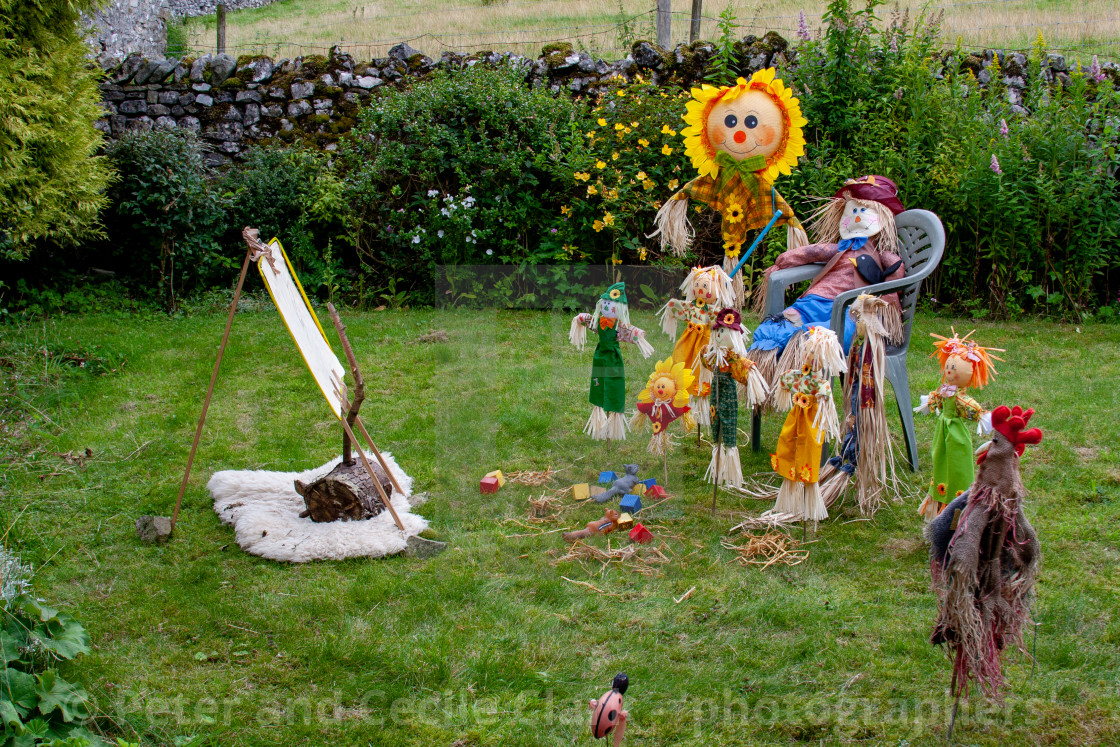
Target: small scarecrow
706, 289
856, 239
866, 452
965, 365
611, 320
740, 138
807, 394
726, 359
984, 560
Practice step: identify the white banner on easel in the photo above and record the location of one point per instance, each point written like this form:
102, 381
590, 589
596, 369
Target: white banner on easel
295, 309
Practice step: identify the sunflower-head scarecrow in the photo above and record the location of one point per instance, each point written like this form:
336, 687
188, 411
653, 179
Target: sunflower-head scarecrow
740, 139
664, 400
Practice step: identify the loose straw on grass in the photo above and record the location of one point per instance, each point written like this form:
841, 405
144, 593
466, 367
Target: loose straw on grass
768, 549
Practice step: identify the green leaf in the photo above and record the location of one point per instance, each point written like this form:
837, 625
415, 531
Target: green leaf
45, 613
18, 694
56, 693
67, 637
10, 647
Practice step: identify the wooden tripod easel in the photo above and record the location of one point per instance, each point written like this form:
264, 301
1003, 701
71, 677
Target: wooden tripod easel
255, 251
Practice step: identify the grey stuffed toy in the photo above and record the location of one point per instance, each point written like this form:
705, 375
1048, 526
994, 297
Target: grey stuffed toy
621, 486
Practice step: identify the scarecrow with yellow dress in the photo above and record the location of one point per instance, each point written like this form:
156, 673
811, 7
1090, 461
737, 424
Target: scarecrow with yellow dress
740, 138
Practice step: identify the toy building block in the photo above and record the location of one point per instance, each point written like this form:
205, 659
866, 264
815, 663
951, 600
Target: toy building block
581, 492
500, 477
639, 489
630, 503
656, 492
625, 521
488, 485
640, 534
649, 483
607, 477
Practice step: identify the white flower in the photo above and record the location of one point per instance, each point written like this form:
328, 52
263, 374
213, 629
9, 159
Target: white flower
433, 192
489, 252
416, 239
440, 233
445, 212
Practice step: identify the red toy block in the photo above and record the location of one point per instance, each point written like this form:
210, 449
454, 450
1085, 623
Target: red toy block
640, 534
488, 485
655, 492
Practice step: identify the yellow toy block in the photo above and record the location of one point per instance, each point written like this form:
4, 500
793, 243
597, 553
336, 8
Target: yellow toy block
500, 477
639, 489
625, 521
581, 492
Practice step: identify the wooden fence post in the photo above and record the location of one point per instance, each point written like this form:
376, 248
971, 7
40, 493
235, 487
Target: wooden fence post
664, 24
221, 28
694, 25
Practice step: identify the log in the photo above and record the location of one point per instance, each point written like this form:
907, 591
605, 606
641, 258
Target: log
345, 493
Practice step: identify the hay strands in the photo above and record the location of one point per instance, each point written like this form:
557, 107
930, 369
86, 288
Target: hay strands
769, 520
641, 559
767, 549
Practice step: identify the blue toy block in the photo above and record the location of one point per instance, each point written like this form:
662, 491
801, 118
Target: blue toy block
649, 483
606, 478
630, 504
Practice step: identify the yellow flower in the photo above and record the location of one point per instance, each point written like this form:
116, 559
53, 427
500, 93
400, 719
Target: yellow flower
600, 164
597, 225
614, 156
602, 122
734, 213
641, 176
633, 124
642, 253
565, 210
643, 142
591, 135
620, 92
611, 194
666, 130
616, 294
666, 150
616, 260
731, 247
608, 220
626, 130
591, 190
649, 184
673, 184
618, 126
582, 176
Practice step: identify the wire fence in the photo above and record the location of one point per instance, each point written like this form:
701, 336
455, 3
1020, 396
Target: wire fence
974, 25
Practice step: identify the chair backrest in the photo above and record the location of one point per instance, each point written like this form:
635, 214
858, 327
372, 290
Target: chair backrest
921, 239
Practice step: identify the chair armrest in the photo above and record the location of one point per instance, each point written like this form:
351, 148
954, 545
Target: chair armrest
779, 280
840, 304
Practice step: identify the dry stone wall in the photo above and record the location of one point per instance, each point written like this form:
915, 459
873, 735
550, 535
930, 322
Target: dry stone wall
233, 103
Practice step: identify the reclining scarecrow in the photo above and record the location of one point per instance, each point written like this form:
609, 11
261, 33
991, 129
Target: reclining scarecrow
611, 320
740, 138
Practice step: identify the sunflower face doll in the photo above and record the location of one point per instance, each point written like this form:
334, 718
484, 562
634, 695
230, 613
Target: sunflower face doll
964, 365
706, 290
611, 320
740, 139
663, 401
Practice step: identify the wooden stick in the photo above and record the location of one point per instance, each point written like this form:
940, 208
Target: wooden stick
359, 387
365, 462
716, 446
253, 248
665, 463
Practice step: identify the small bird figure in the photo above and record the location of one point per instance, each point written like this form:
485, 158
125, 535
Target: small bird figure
607, 713
869, 269
984, 559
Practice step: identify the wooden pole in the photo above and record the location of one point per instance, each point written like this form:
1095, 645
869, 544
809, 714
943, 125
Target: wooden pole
715, 445
665, 463
664, 24
213, 379
694, 25
372, 474
221, 41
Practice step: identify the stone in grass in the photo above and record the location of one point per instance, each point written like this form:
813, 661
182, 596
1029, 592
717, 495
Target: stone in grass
418, 547
153, 529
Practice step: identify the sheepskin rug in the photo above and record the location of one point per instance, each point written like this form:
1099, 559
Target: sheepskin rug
263, 508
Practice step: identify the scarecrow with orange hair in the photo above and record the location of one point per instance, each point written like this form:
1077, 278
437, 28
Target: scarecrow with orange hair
965, 365
740, 138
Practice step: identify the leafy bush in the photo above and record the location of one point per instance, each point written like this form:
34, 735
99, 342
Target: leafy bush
453, 170
51, 181
36, 704
166, 219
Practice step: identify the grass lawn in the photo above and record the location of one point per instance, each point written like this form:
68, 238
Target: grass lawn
487, 644
368, 28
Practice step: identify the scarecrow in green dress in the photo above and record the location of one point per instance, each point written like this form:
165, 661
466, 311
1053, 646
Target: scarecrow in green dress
611, 321
964, 365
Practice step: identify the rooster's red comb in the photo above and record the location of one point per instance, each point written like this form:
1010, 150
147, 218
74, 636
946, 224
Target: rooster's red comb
1011, 421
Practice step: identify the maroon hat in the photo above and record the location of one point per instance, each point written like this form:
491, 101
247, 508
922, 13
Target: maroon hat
873, 187
729, 318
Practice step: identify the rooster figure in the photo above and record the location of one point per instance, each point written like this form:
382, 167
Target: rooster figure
984, 559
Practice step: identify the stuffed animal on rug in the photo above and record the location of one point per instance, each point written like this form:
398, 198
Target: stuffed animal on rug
706, 291
856, 239
663, 401
740, 138
984, 559
866, 451
611, 321
621, 486
965, 365
726, 360
806, 393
